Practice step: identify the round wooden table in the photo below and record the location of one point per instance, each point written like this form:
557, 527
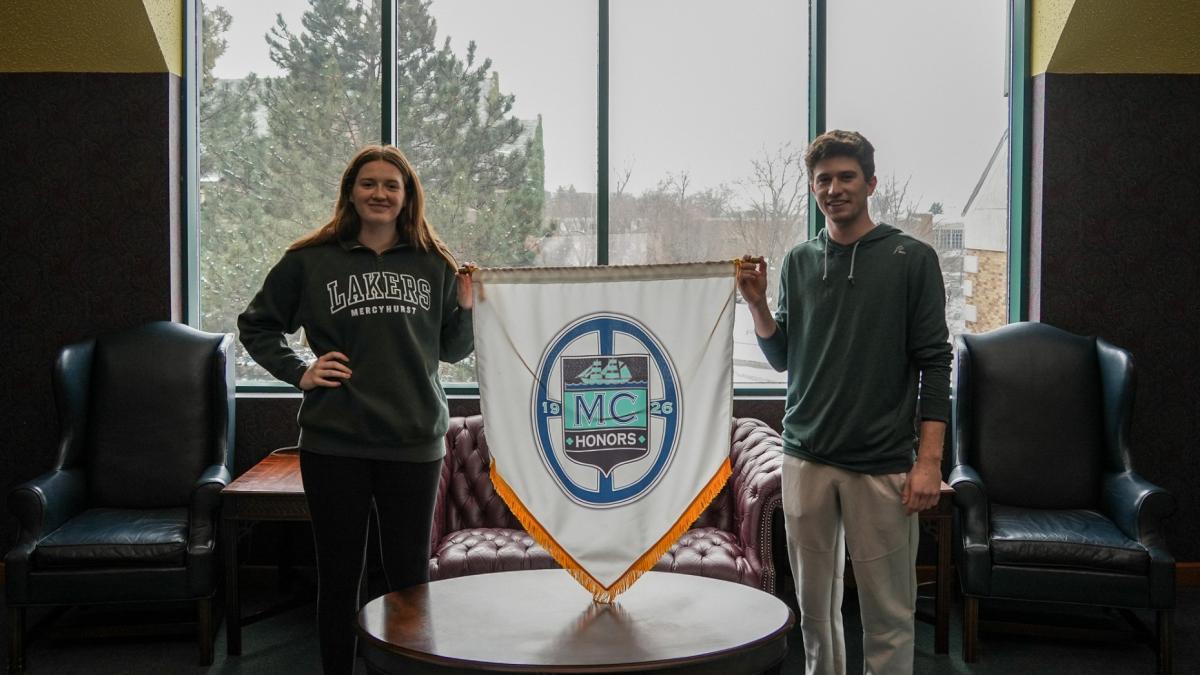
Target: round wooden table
543, 621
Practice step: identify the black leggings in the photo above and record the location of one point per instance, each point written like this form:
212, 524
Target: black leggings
340, 492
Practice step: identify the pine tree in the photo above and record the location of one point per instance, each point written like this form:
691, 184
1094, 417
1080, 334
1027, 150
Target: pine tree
236, 247
272, 149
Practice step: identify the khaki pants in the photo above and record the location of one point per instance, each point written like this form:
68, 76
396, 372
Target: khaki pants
827, 510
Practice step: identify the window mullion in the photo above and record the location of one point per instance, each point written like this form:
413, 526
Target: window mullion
817, 21
190, 144
1019, 96
387, 71
602, 141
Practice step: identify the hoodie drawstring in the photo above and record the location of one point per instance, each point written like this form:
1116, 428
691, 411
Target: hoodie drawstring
853, 254
825, 275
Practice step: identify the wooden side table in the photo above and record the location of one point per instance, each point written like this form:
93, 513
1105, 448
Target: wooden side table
270, 491
942, 515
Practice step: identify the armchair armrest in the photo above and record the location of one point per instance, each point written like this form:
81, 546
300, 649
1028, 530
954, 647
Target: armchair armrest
202, 524
756, 487
1138, 507
970, 495
974, 529
202, 513
41, 506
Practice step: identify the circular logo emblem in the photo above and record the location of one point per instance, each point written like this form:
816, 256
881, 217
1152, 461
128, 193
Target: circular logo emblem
606, 408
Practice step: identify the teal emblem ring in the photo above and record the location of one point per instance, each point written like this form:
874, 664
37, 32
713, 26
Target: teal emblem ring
605, 410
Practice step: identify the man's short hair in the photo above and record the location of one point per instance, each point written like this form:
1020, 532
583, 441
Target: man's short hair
838, 143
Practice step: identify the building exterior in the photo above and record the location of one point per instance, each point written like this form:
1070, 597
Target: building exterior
985, 246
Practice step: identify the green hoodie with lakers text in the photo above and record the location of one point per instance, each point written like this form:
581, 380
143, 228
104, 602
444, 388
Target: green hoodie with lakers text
395, 315
862, 335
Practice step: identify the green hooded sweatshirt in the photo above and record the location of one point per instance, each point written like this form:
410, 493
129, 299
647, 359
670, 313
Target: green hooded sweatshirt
862, 335
395, 315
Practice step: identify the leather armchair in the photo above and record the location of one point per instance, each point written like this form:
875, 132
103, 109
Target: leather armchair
128, 512
474, 532
1049, 507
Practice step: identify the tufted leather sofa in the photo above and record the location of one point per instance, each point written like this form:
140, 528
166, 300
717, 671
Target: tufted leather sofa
474, 532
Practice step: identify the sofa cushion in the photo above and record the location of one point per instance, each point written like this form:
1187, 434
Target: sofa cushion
704, 551
117, 538
709, 552
480, 550
1078, 538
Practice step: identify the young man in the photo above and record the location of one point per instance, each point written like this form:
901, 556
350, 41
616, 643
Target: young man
861, 331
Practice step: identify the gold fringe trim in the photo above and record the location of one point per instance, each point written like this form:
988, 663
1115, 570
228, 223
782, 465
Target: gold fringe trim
600, 592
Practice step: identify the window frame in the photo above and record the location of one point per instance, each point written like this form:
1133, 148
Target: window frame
1020, 95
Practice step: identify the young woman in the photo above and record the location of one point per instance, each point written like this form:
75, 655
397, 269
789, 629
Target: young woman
378, 297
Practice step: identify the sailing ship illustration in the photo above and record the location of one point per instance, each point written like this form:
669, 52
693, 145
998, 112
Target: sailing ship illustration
613, 372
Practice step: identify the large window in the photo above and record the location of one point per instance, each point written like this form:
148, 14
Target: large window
706, 133
289, 91
602, 131
925, 81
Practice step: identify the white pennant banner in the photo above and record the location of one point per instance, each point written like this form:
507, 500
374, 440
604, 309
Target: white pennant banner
607, 396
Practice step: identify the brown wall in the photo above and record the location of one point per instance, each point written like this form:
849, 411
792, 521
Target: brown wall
1116, 252
89, 233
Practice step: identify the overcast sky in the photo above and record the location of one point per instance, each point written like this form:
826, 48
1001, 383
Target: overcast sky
705, 86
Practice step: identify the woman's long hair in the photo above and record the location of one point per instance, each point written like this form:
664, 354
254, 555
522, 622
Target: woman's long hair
412, 224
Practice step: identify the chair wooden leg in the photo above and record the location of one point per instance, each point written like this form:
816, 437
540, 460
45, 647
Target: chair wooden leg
204, 630
970, 629
16, 639
1165, 629
233, 604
